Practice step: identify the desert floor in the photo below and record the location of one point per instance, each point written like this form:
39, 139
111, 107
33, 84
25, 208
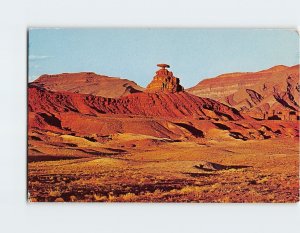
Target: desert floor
148, 169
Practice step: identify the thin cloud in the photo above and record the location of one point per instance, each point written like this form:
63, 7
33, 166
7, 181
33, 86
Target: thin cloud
38, 57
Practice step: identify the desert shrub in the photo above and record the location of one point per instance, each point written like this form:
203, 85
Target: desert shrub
99, 197
33, 199
59, 199
73, 198
128, 197
263, 180
225, 199
54, 194
111, 197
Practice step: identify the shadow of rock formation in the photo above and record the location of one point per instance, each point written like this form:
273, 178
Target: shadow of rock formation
209, 166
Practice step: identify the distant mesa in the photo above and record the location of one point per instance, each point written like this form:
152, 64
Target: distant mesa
271, 94
89, 83
164, 81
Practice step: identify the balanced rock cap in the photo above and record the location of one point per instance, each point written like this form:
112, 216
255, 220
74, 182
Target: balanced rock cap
163, 66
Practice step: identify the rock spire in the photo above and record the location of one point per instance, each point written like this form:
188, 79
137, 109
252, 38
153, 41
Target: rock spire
164, 81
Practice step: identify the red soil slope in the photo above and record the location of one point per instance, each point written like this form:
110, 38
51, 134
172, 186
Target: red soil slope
163, 105
164, 115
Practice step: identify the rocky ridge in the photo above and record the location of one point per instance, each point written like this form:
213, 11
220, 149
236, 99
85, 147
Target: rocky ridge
88, 83
267, 94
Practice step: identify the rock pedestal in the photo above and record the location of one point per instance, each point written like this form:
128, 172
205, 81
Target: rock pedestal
164, 81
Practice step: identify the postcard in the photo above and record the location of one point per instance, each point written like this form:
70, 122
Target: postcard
163, 115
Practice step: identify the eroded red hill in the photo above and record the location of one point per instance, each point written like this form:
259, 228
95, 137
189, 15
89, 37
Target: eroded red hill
164, 105
88, 83
177, 116
267, 94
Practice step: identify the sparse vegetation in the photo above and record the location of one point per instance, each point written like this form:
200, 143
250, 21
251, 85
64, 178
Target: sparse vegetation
167, 173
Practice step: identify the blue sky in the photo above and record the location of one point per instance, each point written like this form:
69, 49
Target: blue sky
194, 54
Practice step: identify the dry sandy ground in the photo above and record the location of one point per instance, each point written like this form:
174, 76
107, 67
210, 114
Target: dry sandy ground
147, 169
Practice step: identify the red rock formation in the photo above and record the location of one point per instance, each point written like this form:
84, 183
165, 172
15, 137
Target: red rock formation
171, 115
164, 81
88, 83
267, 94
168, 111
174, 105
224, 85
163, 66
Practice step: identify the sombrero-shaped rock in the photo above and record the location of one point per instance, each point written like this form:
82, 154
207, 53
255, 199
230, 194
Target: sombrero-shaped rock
163, 66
